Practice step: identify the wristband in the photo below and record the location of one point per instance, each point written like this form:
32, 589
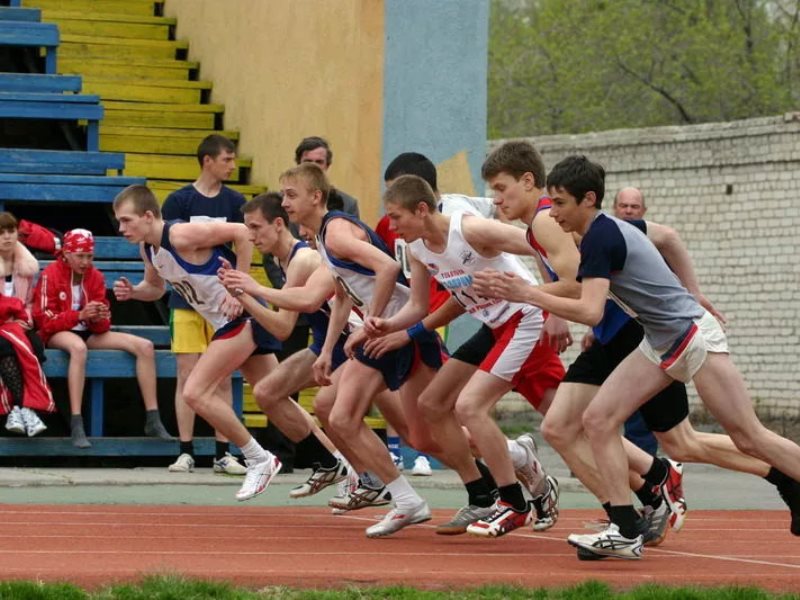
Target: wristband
416, 331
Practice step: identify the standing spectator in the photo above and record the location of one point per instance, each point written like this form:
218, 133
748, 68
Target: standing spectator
23, 387
72, 313
628, 205
316, 149
205, 199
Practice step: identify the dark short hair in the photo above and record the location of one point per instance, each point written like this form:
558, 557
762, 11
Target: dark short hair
408, 191
312, 143
8, 222
213, 145
142, 198
269, 203
515, 158
412, 163
578, 175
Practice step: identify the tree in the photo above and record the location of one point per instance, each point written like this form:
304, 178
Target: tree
569, 66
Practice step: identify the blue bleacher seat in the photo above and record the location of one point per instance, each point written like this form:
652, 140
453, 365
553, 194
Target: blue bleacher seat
34, 35
39, 82
59, 162
33, 15
30, 105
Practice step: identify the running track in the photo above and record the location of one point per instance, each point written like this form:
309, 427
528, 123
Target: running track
94, 545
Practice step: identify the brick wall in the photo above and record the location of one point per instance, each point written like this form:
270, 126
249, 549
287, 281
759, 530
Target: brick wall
732, 190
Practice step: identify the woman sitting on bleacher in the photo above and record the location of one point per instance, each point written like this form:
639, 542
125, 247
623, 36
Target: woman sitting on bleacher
23, 387
72, 313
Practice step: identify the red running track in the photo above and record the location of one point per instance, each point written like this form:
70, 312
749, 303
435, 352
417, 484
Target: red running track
94, 545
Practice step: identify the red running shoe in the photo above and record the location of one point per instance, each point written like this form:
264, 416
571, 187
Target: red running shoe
672, 492
503, 520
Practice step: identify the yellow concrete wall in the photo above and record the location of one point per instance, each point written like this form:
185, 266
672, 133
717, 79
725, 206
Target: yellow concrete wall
287, 69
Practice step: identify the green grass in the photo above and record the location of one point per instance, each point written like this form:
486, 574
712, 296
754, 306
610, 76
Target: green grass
179, 588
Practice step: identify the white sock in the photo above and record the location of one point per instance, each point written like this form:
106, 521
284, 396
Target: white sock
253, 452
518, 455
403, 494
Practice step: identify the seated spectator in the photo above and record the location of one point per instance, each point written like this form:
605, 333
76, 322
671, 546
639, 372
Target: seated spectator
23, 387
72, 314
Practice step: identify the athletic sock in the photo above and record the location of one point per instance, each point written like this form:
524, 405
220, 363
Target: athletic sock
403, 494
220, 449
77, 433
657, 474
187, 448
315, 447
647, 497
512, 495
486, 474
518, 455
607, 508
153, 427
626, 518
253, 452
479, 493
778, 478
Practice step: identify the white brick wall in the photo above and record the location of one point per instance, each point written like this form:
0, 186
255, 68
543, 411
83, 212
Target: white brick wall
744, 243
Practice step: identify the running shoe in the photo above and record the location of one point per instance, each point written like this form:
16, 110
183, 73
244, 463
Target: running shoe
320, 479
396, 519
259, 475
546, 506
345, 487
397, 459
229, 465
531, 475
33, 424
656, 524
361, 497
183, 464
422, 466
672, 491
503, 520
609, 542
466, 516
15, 422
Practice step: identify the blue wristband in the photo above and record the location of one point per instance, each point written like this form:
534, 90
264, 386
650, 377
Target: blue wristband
416, 331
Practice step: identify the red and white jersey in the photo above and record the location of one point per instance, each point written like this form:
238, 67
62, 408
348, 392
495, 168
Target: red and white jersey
454, 269
544, 204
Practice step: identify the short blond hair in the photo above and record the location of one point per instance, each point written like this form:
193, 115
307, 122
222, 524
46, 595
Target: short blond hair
314, 177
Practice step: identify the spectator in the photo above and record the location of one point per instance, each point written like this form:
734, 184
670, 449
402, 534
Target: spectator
72, 313
23, 389
629, 205
316, 149
205, 199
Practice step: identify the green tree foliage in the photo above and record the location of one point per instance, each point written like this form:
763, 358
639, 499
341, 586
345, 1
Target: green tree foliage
570, 66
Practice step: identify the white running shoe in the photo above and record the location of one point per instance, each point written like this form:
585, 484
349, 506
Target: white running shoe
546, 506
14, 422
320, 479
229, 465
422, 466
344, 488
183, 464
259, 475
361, 497
531, 475
609, 542
398, 461
33, 424
396, 519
